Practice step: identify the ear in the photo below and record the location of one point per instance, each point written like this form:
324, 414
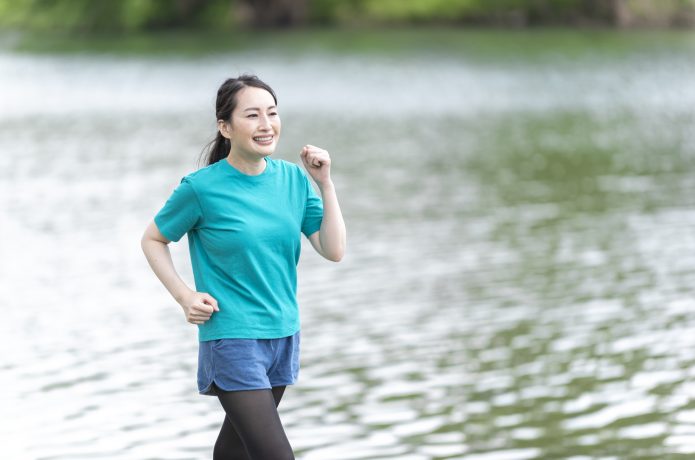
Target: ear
225, 128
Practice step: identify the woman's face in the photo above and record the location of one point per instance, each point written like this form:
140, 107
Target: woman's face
255, 125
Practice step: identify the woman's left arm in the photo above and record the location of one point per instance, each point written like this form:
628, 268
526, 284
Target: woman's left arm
330, 240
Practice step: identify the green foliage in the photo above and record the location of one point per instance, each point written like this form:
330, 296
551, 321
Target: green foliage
216, 15
139, 15
420, 9
112, 15
495, 11
327, 11
443, 10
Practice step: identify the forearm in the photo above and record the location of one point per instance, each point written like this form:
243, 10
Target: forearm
332, 234
159, 258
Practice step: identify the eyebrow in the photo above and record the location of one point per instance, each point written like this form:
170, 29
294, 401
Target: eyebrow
256, 108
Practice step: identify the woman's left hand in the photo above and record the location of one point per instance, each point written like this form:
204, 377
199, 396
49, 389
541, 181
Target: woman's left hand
317, 162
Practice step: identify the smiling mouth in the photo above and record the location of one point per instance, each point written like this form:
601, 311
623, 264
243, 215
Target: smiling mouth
263, 139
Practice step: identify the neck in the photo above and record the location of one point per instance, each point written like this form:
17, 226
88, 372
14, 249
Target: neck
249, 166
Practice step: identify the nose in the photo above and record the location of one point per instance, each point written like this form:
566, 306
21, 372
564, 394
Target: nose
264, 121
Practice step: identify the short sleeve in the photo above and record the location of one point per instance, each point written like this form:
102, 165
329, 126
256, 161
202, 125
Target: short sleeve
313, 209
180, 213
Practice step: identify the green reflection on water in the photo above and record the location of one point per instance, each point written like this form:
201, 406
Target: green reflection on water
480, 44
580, 162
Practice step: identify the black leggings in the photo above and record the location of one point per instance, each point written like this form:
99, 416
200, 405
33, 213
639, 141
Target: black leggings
252, 429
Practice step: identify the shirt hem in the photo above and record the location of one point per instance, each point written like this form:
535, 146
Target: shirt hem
246, 334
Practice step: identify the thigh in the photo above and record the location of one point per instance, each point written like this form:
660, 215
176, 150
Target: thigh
277, 394
254, 415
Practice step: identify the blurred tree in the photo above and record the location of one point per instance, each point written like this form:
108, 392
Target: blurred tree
128, 15
273, 13
113, 15
664, 13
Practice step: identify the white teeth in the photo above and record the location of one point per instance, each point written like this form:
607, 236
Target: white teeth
263, 139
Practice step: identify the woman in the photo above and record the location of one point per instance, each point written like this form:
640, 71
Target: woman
243, 214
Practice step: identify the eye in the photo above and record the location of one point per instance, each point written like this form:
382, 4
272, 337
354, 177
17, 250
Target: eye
273, 113
252, 115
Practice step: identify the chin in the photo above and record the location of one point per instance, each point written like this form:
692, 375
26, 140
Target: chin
268, 150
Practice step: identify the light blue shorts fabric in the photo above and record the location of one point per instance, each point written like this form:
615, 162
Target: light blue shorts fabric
247, 364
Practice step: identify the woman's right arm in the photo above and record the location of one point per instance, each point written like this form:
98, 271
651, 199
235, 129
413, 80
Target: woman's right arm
197, 306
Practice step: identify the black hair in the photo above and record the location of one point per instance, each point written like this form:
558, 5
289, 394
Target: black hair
219, 147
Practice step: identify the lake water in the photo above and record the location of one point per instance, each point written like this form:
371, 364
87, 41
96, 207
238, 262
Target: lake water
519, 275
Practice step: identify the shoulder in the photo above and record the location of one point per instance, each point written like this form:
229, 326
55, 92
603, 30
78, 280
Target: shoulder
284, 165
197, 178
289, 168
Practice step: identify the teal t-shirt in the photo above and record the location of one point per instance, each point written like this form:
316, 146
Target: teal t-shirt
244, 240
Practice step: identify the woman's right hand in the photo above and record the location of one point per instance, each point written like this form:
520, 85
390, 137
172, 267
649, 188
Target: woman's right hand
198, 307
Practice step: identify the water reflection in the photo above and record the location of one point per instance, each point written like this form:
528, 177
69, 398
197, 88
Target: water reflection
518, 270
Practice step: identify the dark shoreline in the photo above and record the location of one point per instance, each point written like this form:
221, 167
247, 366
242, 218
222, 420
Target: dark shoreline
472, 43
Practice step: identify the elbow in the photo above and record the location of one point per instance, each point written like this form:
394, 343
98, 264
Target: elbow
336, 255
330, 248
144, 244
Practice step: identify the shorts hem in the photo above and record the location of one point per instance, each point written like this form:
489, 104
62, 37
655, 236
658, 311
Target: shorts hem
209, 390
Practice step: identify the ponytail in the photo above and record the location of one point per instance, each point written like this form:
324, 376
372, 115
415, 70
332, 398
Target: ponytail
215, 150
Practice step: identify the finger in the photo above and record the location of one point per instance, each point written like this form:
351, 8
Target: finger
203, 317
308, 161
314, 160
210, 300
308, 148
202, 308
311, 157
319, 153
311, 150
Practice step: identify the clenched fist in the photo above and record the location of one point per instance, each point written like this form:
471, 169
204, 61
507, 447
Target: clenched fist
317, 162
198, 307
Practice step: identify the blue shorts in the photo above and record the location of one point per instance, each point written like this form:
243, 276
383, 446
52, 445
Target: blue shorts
247, 364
